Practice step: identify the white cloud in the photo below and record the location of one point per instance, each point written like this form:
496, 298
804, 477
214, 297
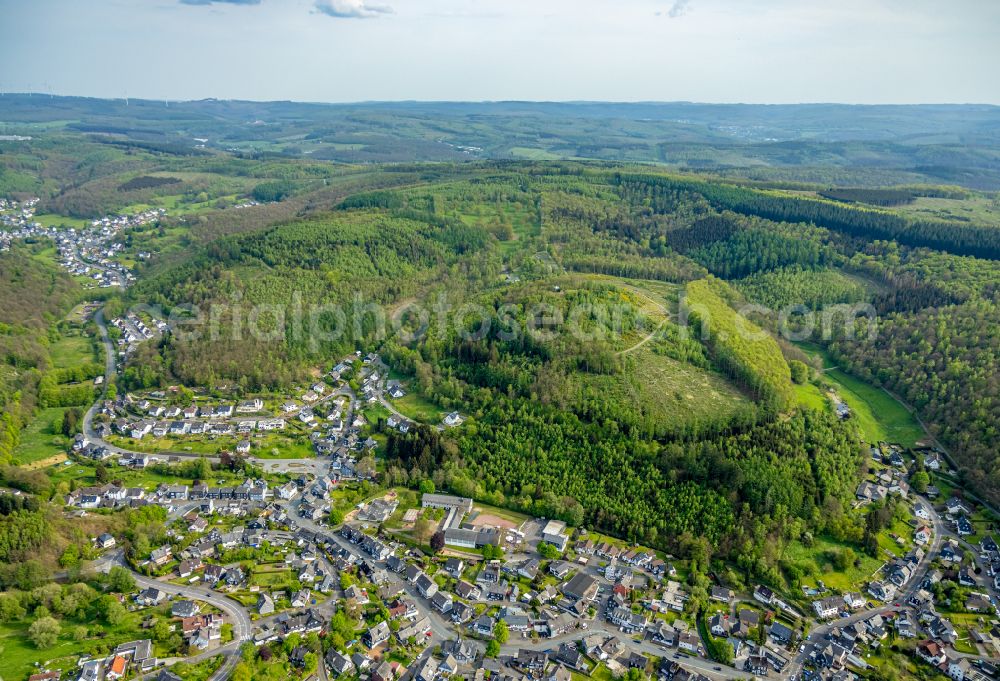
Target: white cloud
351, 9
679, 8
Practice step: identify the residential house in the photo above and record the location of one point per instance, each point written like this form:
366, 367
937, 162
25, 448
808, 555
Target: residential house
484, 625
722, 594
265, 605
462, 613
854, 600
883, 591
763, 594
931, 652
689, 642
377, 635
828, 607
442, 602
956, 506
977, 602
718, 624
338, 663
780, 633
150, 597
184, 609
116, 668
455, 567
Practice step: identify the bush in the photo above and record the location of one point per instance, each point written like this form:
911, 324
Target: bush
800, 372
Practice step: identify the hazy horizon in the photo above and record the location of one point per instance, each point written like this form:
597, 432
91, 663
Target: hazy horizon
634, 51
364, 102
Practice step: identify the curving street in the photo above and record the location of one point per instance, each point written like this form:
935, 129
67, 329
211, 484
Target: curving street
821, 631
235, 613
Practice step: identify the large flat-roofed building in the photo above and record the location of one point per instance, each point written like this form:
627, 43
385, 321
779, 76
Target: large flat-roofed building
446, 501
554, 533
582, 587
472, 538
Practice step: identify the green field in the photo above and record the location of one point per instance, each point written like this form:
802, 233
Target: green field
198, 671
51, 220
418, 408
902, 530
271, 446
976, 208
879, 416
43, 437
818, 556
273, 576
668, 391
808, 395
513, 516
72, 349
20, 655
533, 154
148, 479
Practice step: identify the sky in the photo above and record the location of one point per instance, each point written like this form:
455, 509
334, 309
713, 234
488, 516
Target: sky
757, 51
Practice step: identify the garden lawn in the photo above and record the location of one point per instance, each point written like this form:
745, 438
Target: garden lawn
20, 654
419, 408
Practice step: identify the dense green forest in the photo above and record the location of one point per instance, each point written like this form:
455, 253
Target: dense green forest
794, 286
601, 399
36, 295
471, 236
943, 361
951, 236
720, 491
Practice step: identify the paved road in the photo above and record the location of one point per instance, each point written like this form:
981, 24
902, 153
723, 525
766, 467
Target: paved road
235, 613
706, 667
383, 371
818, 634
109, 374
315, 466
441, 627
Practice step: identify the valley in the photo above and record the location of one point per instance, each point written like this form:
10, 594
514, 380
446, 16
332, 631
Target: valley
402, 408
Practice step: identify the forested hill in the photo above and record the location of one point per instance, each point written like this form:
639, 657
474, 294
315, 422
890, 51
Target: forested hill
33, 295
815, 143
784, 206
477, 229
